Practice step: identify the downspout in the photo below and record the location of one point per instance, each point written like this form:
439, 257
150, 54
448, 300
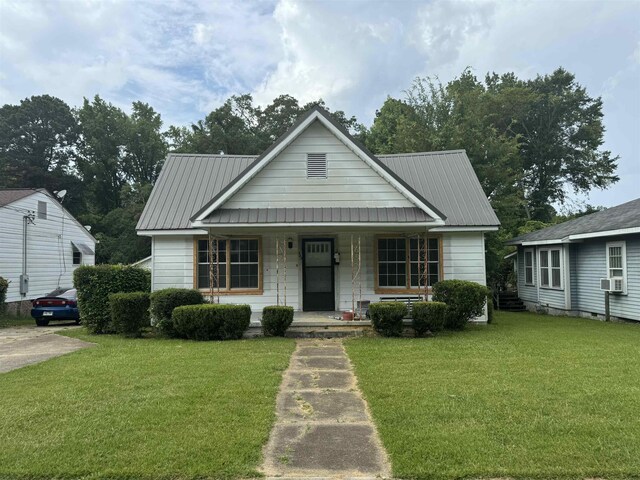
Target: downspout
24, 279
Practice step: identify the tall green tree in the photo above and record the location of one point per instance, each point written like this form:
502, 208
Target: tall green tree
146, 146
38, 143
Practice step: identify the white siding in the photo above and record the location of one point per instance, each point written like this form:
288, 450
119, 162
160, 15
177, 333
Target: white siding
350, 183
49, 251
463, 258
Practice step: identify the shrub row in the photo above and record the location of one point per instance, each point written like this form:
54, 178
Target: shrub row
276, 320
163, 302
4, 286
455, 302
94, 285
129, 313
211, 322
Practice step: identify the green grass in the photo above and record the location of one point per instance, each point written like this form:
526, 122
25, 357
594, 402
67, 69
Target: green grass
11, 321
145, 408
530, 396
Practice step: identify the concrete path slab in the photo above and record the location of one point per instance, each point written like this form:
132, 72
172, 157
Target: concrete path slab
323, 427
21, 346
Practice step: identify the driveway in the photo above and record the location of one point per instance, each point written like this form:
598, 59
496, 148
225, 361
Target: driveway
21, 346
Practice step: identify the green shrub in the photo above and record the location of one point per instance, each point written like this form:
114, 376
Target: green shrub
129, 313
465, 300
428, 317
490, 308
386, 317
164, 301
211, 322
276, 320
96, 283
4, 286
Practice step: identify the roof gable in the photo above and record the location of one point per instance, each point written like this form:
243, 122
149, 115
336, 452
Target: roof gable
10, 195
317, 114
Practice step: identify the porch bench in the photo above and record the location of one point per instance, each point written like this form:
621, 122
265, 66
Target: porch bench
409, 301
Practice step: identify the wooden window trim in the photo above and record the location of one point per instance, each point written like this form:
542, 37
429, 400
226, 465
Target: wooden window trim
228, 290
387, 290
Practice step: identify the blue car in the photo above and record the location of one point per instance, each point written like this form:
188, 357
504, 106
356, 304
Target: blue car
61, 304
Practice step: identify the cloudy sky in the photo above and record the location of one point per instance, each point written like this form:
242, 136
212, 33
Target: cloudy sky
186, 57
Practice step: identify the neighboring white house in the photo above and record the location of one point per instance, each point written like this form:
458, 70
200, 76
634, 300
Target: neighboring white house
41, 243
564, 269
316, 221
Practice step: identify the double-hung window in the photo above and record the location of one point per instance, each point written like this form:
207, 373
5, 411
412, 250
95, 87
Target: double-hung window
228, 265
528, 267
551, 267
617, 261
406, 263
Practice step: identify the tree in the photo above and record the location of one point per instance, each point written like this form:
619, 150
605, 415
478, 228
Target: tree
38, 143
105, 132
145, 147
560, 136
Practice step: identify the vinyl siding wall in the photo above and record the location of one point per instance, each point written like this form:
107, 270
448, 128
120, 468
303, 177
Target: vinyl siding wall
463, 257
538, 295
591, 266
528, 293
49, 251
350, 183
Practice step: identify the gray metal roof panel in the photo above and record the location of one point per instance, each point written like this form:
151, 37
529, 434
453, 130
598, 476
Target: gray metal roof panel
447, 179
620, 217
317, 215
10, 195
188, 182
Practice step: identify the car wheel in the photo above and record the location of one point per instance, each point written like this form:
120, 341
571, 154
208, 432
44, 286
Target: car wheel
41, 322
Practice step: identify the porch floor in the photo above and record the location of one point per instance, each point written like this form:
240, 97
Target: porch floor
314, 319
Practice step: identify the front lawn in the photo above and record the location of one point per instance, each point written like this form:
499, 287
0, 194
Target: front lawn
13, 321
530, 396
147, 408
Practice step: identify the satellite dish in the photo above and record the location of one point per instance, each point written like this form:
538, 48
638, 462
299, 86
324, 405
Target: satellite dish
60, 194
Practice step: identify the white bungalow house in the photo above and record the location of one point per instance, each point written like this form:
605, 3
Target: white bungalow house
316, 221
41, 243
566, 268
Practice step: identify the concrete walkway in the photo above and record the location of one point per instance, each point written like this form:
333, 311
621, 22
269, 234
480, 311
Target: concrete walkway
323, 427
21, 346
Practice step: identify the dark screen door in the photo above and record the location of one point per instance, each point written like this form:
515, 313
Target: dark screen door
318, 281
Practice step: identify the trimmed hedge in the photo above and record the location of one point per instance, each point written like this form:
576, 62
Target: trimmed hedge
276, 319
465, 300
164, 301
211, 322
490, 308
386, 317
4, 286
129, 312
96, 283
428, 317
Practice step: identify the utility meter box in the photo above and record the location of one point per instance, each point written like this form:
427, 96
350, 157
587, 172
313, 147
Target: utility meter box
24, 284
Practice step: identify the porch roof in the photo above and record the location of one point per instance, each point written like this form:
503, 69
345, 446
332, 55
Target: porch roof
322, 215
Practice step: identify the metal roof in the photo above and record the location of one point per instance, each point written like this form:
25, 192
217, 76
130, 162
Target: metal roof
327, 116
10, 195
620, 217
318, 215
447, 179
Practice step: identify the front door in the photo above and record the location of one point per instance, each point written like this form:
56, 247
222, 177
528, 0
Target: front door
318, 284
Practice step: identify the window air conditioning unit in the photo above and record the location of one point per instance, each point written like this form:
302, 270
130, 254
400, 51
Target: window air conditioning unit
613, 284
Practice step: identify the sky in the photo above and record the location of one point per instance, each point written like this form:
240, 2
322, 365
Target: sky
185, 57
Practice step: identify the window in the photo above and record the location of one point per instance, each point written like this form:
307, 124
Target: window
236, 262
617, 261
42, 210
401, 262
316, 165
528, 267
77, 255
550, 268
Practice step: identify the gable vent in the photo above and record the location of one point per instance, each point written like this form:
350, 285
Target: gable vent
316, 165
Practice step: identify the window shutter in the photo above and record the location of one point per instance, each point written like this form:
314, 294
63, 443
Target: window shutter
316, 165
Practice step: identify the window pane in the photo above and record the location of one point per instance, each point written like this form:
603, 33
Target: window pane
392, 254
528, 275
555, 277
555, 258
528, 259
544, 274
544, 259
244, 263
616, 272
